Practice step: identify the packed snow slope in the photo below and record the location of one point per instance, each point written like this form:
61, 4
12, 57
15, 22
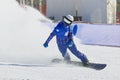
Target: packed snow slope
23, 31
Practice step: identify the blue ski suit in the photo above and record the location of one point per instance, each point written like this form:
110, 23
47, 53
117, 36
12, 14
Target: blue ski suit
64, 39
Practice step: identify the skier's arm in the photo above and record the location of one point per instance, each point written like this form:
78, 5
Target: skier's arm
70, 34
55, 31
50, 37
72, 31
70, 38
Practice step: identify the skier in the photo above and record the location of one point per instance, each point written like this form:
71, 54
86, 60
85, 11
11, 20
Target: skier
64, 38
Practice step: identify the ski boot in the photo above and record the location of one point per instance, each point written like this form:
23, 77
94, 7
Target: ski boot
85, 63
67, 58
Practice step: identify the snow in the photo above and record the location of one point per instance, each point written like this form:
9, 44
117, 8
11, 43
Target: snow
23, 31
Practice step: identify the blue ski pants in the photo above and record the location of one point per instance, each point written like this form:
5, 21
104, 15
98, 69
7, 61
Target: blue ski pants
63, 49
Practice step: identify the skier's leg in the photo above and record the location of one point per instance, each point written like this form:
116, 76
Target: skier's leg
78, 54
67, 57
63, 49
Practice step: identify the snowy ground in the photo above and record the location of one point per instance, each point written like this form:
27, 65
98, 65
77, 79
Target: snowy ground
23, 32
107, 55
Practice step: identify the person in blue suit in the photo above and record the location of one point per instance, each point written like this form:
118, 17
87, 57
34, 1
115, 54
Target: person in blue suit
64, 38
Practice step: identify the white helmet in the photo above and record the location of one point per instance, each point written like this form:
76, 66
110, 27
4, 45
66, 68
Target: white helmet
68, 19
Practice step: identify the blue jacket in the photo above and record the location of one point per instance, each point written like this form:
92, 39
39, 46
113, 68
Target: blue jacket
62, 32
